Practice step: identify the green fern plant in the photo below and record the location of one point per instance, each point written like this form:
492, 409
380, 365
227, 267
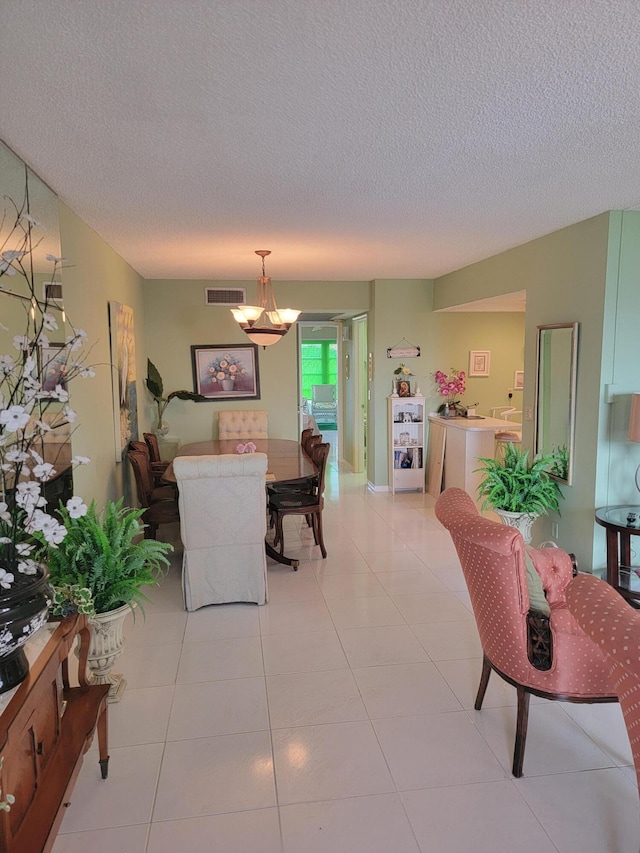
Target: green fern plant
103, 553
514, 484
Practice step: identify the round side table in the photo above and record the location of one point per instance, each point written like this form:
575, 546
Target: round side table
620, 524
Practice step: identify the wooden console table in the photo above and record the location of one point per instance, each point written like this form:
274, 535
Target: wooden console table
621, 523
45, 729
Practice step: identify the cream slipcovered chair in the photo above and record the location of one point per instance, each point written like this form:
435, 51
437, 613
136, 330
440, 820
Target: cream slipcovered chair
242, 425
324, 406
222, 526
615, 626
544, 655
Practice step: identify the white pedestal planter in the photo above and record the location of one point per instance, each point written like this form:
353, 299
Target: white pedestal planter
520, 520
107, 644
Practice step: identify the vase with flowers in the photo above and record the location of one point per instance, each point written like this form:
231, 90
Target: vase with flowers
38, 364
450, 385
401, 381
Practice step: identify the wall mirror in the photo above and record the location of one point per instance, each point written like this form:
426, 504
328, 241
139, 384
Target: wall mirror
17, 184
557, 349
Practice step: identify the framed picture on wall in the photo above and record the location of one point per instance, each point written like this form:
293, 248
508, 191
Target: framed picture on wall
479, 362
226, 371
518, 380
53, 368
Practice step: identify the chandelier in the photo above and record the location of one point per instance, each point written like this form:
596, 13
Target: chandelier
274, 322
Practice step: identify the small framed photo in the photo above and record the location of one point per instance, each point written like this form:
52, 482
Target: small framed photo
53, 367
226, 371
479, 362
518, 380
403, 388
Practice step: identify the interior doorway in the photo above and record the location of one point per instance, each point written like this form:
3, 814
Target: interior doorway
361, 392
319, 378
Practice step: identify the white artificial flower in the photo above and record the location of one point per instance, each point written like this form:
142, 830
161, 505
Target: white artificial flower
53, 531
29, 567
42, 340
7, 364
28, 496
49, 322
14, 418
16, 455
33, 222
76, 507
44, 472
54, 259
4, 540
24, 549
70, 414
4, 514
6, 579
36, 455
86, 372
30, 365
6, 467
80, 460
76, 340
6, 268
13, 254
21, 342
59, 393
44, 426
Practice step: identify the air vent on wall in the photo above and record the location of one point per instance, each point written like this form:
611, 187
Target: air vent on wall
52, 291
224, 296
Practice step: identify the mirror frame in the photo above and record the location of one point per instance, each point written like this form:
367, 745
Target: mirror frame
568, 480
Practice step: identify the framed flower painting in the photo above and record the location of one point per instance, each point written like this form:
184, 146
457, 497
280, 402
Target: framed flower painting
226, 371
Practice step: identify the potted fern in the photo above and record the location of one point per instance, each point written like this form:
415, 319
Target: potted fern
100, 568
517, 489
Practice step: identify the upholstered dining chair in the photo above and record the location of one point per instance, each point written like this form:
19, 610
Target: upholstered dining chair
243, 425
614, 625
160, 505
527, 633
309, 504
222, 526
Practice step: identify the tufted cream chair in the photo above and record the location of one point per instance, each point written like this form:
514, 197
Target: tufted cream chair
242, 425
550, 656
222, 526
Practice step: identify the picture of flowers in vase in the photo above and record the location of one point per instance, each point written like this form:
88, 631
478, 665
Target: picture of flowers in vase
229, 372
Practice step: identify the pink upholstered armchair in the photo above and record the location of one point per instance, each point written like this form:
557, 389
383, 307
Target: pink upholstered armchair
548, 656
615, 626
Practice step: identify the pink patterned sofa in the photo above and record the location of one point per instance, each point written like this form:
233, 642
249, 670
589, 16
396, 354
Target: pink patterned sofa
615, 626
547, 656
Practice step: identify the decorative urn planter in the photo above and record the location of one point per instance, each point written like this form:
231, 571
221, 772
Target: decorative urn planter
107, 644
522, 521
23, 611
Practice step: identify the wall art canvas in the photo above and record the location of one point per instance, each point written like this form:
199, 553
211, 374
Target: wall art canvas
226, 371
123, 376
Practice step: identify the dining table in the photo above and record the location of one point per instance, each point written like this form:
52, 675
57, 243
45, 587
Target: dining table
286, 463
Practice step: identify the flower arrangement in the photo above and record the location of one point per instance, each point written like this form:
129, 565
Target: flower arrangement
249, 447
225, 367
450, 385
402, 370
31, 405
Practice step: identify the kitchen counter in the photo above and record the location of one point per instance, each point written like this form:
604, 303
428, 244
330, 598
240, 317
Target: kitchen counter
455, 445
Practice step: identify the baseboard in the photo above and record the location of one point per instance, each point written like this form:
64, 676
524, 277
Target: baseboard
373, 488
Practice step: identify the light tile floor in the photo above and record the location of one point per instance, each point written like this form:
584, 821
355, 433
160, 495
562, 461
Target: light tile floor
339, 718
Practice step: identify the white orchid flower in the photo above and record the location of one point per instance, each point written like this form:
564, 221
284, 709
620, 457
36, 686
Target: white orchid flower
42, 340
6, 579
13, 254
80, 460
32, 222
44, 472
49, 322
76, 507
29, 567
21, 342
14, 418
86, 372
54, 259
70, 414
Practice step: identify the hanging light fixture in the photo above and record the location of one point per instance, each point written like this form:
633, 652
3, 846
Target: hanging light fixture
274, 322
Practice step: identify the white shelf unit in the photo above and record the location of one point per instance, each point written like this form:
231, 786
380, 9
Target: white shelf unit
406, 444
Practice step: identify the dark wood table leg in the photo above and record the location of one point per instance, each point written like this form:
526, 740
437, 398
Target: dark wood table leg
625, 549
613, 563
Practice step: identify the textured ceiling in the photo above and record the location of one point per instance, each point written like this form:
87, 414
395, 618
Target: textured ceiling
356, 139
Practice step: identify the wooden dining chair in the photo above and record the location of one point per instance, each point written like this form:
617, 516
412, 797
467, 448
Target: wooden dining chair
302, 503
156, 469
159, 502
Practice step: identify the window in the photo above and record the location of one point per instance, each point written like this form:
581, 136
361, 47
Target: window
319, 364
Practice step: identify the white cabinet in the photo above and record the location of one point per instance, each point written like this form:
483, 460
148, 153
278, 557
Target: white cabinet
406, 443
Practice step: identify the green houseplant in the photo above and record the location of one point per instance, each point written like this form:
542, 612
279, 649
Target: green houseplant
100, 568
156, 388
518, 489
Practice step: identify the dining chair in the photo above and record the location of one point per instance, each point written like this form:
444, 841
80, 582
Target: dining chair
160, 505
156, 470
243, 424
614, 625
509, 435
222, 527
528, 636
302, 503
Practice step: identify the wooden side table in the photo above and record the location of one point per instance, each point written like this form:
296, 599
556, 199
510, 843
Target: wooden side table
620, 524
